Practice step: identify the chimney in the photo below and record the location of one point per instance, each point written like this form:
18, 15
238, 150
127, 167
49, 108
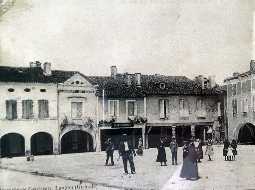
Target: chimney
212, 81
32, 64
35, 64
128, 79
113, 72
235, 74
47, 69
252, 66
138, 79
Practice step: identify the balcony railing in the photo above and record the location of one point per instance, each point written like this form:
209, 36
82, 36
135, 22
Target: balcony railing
86, 122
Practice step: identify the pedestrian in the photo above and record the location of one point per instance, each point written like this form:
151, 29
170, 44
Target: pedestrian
140, 147
174, 150
234, 147
126, 151
225, 148
230, 154
185, 149
161, 153
109, 151
199, 149
189, 168
209, 149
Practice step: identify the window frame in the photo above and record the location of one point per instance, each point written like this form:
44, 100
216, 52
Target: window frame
77, 116
135, 108
115, 112
46, 113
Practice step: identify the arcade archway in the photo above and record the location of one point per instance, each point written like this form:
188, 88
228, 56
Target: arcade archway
12, 144
76, 141
41, 144
246, 134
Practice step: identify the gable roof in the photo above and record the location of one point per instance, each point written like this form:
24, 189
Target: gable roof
33, 75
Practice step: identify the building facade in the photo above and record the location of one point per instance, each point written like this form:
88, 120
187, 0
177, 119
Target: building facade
241, 105
154, 106
45, 111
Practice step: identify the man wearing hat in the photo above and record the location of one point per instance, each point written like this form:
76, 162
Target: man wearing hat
109, 151
174, 150
127, 152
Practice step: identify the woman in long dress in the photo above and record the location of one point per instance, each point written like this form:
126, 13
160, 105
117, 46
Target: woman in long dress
189, 168
161, 153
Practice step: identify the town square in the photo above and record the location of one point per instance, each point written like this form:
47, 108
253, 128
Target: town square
127, 94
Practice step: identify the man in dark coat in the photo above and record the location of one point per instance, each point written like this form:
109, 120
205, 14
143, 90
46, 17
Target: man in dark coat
225, 148
234, 147
109, 151
126, 151
174, 150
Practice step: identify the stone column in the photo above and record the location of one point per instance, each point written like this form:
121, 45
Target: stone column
173, 132
193, 129
204, 134
98, 140
143, 136
27, 144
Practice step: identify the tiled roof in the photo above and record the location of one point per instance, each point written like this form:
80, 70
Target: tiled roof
150, 85
32, 75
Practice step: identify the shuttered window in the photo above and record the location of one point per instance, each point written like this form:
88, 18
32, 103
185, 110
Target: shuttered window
43, 108
76, 110
27, 109
113, 108
11, 109
163, 108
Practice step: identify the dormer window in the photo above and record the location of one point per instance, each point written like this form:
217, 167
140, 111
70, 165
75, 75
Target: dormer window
162, 85
27, 89
11, 90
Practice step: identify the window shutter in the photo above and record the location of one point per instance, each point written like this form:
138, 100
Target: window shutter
246, 106
118, 108
8, 109
136, 108
167, 107
161, 109
109, 108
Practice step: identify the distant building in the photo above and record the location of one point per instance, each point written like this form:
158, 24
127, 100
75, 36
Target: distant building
241, 105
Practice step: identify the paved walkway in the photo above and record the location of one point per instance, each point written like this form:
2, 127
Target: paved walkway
219, 174
89, 168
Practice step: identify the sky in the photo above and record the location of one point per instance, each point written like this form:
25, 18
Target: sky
170, 37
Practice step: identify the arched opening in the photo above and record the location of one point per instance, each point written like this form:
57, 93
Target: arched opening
12, 144
246, 134
41, 144
76, 141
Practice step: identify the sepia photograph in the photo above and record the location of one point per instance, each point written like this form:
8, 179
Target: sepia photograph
127, 94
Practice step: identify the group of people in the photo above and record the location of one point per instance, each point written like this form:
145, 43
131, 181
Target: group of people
192, 154
126, 151
229, 150
161, 157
